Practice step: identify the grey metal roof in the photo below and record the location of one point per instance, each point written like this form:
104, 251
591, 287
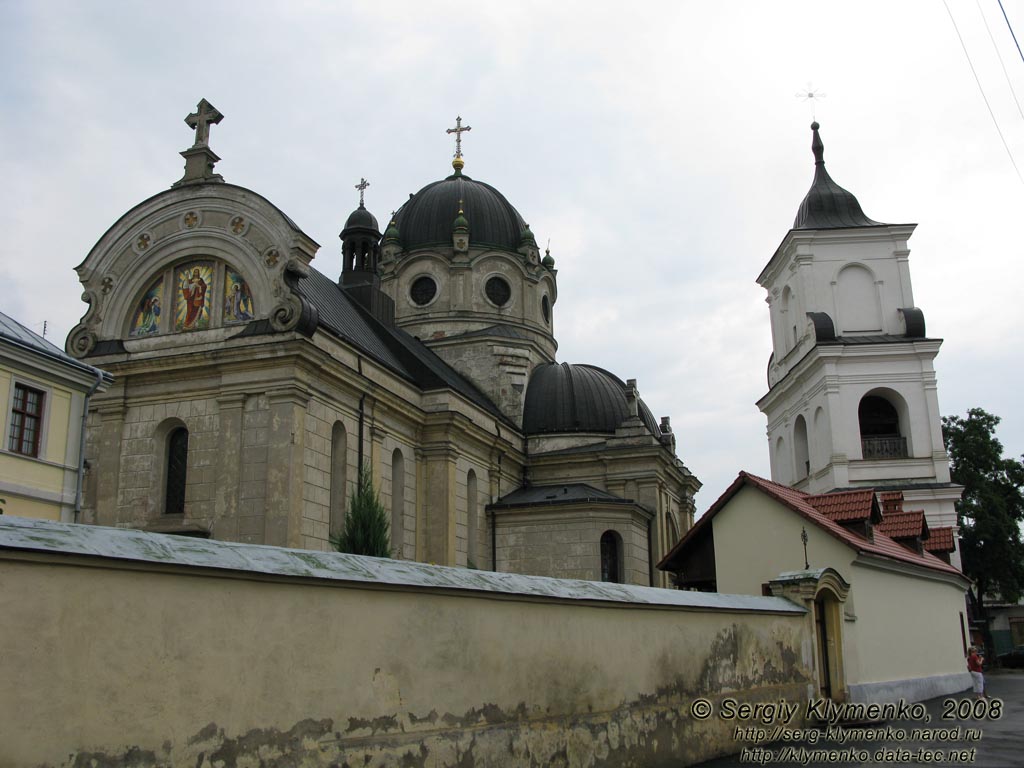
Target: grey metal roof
879, 338
93, 541
578, 398
393, 347
426, 219
547, 495
16, 333
827, 205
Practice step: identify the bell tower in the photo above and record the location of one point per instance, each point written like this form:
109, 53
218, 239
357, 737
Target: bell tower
852, 393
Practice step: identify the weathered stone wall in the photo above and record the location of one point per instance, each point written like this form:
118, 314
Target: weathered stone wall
131, 648
568, 542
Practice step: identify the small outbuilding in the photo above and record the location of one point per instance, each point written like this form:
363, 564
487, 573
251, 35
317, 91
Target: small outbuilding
886, 614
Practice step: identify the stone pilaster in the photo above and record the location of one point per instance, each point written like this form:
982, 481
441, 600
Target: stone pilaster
229, 460
439, 461
283, 525
108, 469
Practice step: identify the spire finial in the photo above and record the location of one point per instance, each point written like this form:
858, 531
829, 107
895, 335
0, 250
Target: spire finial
816, 146
361, 186
458, 163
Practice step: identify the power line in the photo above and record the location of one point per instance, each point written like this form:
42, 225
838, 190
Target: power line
982, 90
1010, 28
1000, 57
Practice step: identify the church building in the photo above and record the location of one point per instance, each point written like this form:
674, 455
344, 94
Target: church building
852, 395
252, 391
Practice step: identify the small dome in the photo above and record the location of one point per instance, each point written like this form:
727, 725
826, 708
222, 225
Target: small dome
548, 260
361, 218
578, 398
426, 218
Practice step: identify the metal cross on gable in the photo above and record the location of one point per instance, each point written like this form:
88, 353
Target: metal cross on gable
458, 130
205, 115
361, 186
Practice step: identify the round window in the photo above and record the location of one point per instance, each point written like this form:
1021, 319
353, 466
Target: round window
545, 307
423, 291
498, 291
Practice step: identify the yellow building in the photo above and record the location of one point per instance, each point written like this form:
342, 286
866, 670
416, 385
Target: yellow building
45, 395
885, 611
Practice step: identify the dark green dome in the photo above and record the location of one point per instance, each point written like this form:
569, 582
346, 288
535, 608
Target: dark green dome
426, 218
361, 218
578, 398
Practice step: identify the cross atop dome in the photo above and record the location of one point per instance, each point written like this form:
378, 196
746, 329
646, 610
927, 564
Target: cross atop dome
458, 163
361, 186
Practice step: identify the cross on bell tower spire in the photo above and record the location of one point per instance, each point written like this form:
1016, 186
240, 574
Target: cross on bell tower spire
458, 130
199, 158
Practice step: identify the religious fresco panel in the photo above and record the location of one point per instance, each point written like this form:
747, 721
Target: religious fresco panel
147, 315
238, 302
194, 298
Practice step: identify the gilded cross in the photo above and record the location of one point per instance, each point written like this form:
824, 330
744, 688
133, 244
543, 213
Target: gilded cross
361, 186
200, 120
458, 130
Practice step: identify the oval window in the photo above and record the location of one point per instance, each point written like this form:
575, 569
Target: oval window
545, 308
423, 291
498, 291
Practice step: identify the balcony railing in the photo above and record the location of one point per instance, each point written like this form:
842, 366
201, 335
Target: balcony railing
884, 447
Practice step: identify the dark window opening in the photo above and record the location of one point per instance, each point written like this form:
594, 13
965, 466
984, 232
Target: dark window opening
423, 291
498, 291
545, 307
26, 421
880, 429
611, 557
177, 468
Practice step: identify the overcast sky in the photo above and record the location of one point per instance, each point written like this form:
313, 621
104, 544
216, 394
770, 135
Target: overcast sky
660, 147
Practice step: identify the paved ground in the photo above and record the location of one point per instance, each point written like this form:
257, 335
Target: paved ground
1000, 743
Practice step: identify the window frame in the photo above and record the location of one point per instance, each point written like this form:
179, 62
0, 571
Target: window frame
45, 394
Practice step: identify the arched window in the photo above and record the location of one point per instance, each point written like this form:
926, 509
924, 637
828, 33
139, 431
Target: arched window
787, 310
781, 473
397, 502
339, 477
880, 434
472, 523
177, 469
673, 532
801, 454
857, 300
611, 557
821, 438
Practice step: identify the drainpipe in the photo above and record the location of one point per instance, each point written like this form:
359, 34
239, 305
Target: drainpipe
81, 445
362, 413
494, 522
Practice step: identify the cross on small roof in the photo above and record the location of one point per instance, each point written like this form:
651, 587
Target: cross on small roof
200, 120
361, 186
458, 130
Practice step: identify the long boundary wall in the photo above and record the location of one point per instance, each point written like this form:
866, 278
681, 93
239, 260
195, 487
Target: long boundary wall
125, 648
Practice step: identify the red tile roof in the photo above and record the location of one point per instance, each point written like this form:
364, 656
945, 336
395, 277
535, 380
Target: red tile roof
891, 501
903, 525
882, 546
941, 540
844, 506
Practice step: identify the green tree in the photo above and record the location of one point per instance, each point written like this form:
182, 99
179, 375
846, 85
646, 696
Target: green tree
366, 524
992, 507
